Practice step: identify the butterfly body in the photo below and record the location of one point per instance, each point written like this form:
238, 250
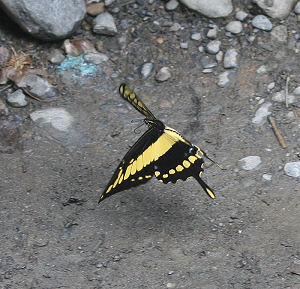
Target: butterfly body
161, 152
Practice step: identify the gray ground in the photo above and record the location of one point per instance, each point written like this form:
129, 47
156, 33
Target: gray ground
155, 235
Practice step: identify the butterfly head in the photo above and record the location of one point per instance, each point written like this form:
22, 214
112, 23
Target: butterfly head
154, 123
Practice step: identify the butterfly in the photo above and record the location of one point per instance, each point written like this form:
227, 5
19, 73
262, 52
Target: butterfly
161, 152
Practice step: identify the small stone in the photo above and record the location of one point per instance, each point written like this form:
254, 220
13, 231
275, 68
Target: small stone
208, 61
270, 86
95, 9
262, 22
108, 2
212, 33
146, 70
234, 27
172, 5
213, 46
241, 15
56, 56
280, 33
95, 57
184, 45
250, 163
224, 80
17, 99
163, 74
262, 69
78, 46
261, 114
280, 97
104, 24
3, 109
207, 70
171, 285
175, 27
219, 56
230, 58
59, 118
297, 90
267, 177
297, 8
4, 54
292, 169
196, 36
38, 86
201, 48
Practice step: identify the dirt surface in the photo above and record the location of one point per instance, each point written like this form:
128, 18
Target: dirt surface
53, 233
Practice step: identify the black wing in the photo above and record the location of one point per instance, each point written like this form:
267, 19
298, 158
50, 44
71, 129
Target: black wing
136, 167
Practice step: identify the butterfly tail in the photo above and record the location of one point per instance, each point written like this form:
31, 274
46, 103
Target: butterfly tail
205, 187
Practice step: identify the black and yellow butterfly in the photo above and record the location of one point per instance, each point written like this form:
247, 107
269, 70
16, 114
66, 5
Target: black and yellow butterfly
160, 151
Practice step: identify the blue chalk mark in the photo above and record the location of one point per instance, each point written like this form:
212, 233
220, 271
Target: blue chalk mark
78, 63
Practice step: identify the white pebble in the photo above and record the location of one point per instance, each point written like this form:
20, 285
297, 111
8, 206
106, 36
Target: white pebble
261, 114
292, 169
250, 163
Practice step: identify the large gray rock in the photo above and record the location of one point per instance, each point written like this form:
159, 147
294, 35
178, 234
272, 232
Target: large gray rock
276, 8
212, 8
47, 20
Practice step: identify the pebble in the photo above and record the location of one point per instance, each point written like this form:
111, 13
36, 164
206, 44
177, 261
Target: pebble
224, 80
78, 46
184, 45
262, 69
4, 54
59, 118
219, 56
56, 56
262, 22
163, 74
175, 27
241, 15
95, 57
3, 109
212, 33
280, 33
146, 70
208, 61
171, 285
201, 48
196, 36
104, 24
261, 114
108, 2
230, 58
297, 8
297, 90
250, 163
38, 86
95, 9
17, 99
292, 169
270, 86
212, 8
234, 27
267, 177
172, 5
213, 47
280, 97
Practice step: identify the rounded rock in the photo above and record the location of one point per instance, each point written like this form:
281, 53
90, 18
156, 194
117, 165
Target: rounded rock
262, 22
17, 99
146, 70
163, 74
230, 58
234, 27
292, 169
241, 15
213, 47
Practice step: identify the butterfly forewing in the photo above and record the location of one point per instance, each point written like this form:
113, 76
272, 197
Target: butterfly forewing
129, 95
